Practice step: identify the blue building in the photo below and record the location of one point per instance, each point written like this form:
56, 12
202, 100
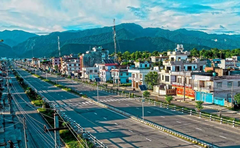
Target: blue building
120, 74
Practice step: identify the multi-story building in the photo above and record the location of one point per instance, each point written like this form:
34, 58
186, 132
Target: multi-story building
56, 63
121, 75
90, 73
142, 64
70, 65
214, 89
138, 76
159, 58
229, 63
34, 62
178, 62
105, 69
91, 57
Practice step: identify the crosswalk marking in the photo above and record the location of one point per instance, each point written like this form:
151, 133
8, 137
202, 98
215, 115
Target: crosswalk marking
113, 100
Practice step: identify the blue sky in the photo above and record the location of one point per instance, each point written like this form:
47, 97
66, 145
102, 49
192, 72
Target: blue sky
45, 16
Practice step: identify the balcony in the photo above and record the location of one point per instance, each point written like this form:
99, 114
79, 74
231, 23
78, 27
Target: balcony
181, 84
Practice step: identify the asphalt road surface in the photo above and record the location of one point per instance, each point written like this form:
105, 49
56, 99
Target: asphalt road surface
36, 136
215, 133
111, 128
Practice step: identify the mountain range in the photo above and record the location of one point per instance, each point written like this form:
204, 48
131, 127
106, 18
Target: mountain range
130, 37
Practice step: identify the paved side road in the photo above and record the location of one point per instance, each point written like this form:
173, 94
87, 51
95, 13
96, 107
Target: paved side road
220, 135
111, 128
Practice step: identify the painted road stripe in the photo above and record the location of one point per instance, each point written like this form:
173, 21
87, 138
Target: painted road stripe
199, 129
148, 139
223, 137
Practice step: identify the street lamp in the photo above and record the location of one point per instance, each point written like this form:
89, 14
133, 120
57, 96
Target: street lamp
143, 88
97, 80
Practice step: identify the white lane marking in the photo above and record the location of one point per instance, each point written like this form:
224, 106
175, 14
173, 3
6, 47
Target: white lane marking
95, 113
199, 129
127, 104
116, 123
223, 137
148, 139
149, 112
178, 122
130, 131
162, 116
105, 118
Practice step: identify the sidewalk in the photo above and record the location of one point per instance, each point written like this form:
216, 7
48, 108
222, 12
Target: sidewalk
209, 108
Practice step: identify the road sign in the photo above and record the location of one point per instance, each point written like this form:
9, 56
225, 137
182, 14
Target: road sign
143, 87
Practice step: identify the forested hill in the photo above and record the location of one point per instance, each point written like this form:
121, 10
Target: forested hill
130, 37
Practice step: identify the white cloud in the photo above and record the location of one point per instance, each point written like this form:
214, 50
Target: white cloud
44, 16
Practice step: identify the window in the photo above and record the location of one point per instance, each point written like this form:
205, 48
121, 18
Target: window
162, 77
238, 83
133, 75
219, 84
140, 75
95, 70
179, 80
121, 74
167, 78
145, 65
91, 71
229, 84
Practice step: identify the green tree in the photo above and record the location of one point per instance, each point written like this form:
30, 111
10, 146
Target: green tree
155, 53
146, 94
56, 68
199, 105
126, 55
151, 79
168, 99
194, 52
237, 98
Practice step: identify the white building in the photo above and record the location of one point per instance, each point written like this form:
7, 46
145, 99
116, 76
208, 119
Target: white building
90, 72
138, 76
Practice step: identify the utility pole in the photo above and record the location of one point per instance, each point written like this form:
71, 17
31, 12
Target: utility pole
232, 95
114, 39
24, 130
56, 132
184, 85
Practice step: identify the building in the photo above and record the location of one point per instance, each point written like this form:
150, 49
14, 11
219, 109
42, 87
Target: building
229, 63
216, 89
142, 64
105, 69
121, 75
56, 64
70, 65
175, 68
91, 57
138, 76
34, 62
89, 73
159, 58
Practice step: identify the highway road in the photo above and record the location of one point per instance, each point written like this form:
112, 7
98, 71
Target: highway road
111, 128
37, 138
220, 135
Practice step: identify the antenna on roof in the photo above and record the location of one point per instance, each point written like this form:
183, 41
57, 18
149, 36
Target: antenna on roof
114, 39
59, 52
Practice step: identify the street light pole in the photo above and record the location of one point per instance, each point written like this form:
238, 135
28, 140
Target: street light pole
142, 107
97, 93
